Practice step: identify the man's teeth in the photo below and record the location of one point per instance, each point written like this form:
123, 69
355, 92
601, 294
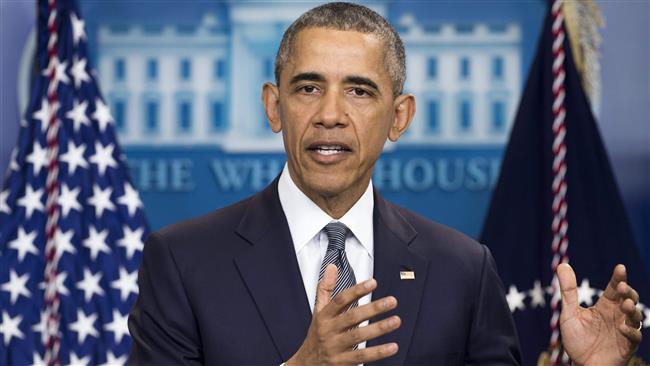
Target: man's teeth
329, 150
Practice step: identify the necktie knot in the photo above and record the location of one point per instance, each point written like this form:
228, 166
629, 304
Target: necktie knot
336, 233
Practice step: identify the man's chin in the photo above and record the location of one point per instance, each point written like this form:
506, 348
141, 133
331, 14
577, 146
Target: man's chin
325, 187
328, 181
328, 186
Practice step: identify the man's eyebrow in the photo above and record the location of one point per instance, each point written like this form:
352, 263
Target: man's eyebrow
362, 80
308, 76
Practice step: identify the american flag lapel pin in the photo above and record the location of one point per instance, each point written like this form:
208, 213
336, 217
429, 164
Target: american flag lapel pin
406, 275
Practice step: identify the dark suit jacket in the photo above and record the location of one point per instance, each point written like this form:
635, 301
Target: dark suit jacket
226, 289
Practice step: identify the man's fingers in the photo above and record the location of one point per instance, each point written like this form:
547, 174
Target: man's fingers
370, 354
568, 287
631, 326
325, 287
626, 291
371, 331
619, 275
354, 317
345, 298
631, 333
632, 314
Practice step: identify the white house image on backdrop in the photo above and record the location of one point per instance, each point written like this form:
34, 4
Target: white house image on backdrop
200, 85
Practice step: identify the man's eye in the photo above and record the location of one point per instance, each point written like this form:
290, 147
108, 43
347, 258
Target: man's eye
359, 92
309, 89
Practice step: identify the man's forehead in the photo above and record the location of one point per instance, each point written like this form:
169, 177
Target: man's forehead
310, 34
325, 48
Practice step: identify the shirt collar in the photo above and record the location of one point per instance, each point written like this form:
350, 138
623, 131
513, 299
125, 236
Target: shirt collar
306, 219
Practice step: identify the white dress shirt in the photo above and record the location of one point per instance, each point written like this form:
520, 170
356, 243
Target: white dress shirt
306, 223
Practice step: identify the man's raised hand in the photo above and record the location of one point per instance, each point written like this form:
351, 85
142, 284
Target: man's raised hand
606, 333
334, 329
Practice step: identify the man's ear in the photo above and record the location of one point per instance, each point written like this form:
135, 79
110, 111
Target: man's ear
271, 101
404, 111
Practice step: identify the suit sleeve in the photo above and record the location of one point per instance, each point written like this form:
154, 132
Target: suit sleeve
493, 337
161, 323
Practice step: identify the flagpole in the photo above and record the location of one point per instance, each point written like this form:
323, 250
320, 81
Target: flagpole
51, 297
560, 223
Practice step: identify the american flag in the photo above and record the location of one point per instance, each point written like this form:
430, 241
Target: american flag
71, 222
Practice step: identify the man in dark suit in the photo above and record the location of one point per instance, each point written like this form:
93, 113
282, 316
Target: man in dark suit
288, 274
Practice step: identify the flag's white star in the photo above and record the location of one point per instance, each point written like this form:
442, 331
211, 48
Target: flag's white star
24, 243
84, 326
78, 114
31, 201
59, 285
38, 157
74, 157
586, 293
96, 242
78, 31
130, 199
4, 207
59, 74
119, 325
44, 113
127, 283
76, 361
78, 72
41, 327
59, 70
102, 115
10, 327
37, 360
550, 290
131, 241
16, 286
112, 360
515, 299
90, 284
68, 199
13, 164
103, 157
63, 243
537, 295
101, 199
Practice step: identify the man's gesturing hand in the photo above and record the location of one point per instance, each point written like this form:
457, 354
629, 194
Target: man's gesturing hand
606, 333
333, 331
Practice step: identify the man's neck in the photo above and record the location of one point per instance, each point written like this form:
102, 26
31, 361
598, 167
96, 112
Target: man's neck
335, 205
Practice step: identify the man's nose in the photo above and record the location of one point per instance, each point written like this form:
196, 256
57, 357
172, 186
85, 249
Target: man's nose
332, 110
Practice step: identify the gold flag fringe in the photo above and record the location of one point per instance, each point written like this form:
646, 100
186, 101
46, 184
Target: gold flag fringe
583, 19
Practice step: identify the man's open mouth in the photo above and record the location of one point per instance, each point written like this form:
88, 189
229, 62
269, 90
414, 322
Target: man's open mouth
329, 149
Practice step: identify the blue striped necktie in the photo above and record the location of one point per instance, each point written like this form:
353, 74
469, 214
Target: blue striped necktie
335, 254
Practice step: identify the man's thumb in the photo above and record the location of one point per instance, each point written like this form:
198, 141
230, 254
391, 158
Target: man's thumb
568, 286
325, 287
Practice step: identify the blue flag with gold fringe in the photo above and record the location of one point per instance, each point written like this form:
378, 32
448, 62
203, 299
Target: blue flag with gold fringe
557, 200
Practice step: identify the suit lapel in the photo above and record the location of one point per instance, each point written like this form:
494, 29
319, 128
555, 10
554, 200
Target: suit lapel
272, 276
271, 273
392, 236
